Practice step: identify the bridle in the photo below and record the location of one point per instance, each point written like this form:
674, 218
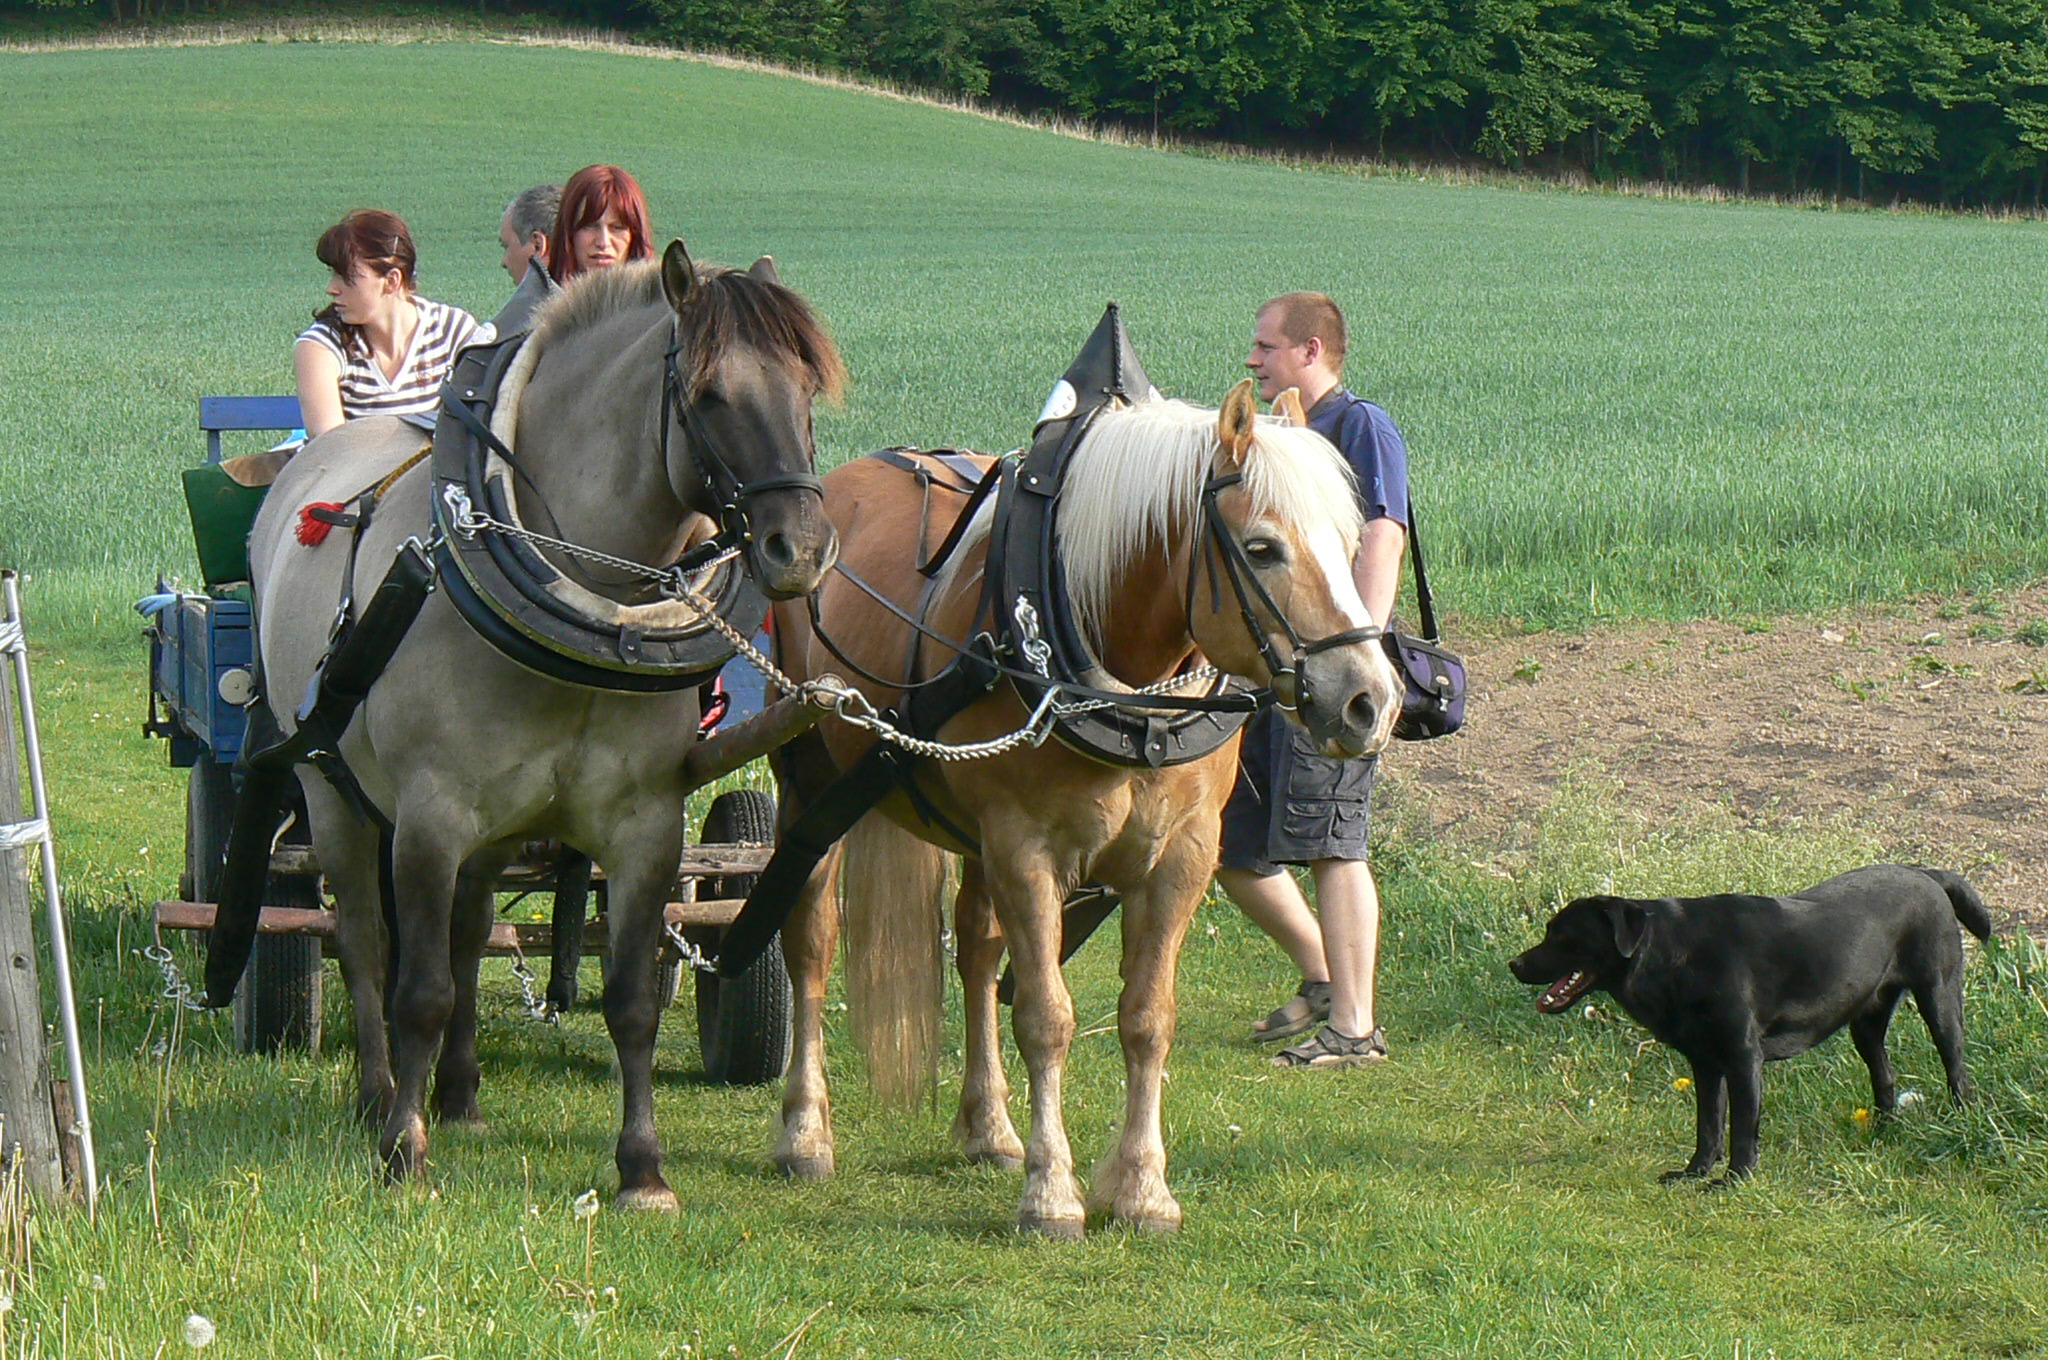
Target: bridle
1244, 583
728, 492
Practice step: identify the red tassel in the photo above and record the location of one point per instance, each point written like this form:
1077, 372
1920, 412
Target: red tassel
313, 528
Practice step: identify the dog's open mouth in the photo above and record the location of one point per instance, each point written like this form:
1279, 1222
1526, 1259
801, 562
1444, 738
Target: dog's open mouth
1564, 991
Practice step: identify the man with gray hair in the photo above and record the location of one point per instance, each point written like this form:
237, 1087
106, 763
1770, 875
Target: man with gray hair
524, 230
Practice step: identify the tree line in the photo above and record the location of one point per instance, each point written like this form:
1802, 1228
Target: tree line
1942, 101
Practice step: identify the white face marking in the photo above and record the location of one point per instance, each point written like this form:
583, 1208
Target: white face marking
1328, 547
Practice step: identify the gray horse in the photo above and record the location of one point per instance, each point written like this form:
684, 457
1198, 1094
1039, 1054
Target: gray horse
466, 753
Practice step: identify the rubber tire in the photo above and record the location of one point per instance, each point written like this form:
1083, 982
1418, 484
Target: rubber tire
743, 1023
279, 1002
209, 817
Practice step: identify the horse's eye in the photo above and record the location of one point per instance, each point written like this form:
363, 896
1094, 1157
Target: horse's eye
1264, 552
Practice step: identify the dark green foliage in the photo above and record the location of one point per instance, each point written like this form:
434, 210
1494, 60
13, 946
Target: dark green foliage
1933, 100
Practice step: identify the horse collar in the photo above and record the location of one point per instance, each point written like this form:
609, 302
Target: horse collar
1032, 607
514, 599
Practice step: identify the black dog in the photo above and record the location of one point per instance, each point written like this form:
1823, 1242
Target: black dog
1733, 982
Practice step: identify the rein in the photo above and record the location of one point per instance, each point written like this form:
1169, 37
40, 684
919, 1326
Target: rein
1238, 567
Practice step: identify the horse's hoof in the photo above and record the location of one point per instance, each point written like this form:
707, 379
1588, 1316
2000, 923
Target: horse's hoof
817, 1167
1153, 1225
405, 1156
996, 1157
1054, 1229
467, 1113
651, 1198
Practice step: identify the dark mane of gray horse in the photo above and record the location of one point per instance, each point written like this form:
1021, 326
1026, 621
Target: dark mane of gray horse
728, 307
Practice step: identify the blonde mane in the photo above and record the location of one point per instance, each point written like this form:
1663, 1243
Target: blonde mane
1137, 481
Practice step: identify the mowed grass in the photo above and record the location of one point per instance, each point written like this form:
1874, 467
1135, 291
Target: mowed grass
1489, 1192
1616, 406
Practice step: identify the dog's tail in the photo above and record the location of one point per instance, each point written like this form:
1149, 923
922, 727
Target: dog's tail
1969, 907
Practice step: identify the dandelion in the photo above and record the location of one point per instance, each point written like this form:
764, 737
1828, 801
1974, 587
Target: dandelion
199, 1331
1862, 1117
585, 1208
1908, 1099
1233, 1129
1592, 1012
1682, 1085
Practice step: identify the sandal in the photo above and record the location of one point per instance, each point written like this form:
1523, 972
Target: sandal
1306, 1008
1330, 1049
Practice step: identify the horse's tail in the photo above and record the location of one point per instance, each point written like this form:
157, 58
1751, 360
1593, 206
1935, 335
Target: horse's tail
894, 887
1969, 907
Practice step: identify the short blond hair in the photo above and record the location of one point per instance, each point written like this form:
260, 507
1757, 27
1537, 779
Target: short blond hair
1306, 316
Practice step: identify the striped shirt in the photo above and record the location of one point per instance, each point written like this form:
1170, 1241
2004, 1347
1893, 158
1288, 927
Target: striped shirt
365, 391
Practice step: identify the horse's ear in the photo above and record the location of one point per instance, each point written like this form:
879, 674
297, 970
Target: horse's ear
1234, 423
678, 275
1287, 406
764, 270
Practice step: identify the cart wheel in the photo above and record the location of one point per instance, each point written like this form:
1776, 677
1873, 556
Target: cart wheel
278, 1005
742, 1023
209, 816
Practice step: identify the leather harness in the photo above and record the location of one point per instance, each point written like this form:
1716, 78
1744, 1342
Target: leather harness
1026, 634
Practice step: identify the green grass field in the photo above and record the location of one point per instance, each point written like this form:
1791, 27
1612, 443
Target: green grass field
1617, 407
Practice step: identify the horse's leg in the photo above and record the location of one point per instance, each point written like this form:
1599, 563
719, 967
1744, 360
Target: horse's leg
1130, 1181
983, 1125
427, 852
639, 871
349, 847
1027, 901
457, 1075
809, 938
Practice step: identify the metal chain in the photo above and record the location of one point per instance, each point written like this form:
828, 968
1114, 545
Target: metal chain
847, 703
175, 987
469, 522
537, 1006
689, 953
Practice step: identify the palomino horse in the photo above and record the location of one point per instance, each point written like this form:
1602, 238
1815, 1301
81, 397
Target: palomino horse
467, 753
1046, 818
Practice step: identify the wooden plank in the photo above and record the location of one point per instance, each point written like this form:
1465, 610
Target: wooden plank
729, 748
532, 937
699, 861
249, 413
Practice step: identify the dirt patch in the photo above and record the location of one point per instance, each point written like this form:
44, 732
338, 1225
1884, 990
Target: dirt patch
1926, 724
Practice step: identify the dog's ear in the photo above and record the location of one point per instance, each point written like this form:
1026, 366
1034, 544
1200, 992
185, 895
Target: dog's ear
1631, 921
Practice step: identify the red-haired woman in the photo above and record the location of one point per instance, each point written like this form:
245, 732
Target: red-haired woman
378, 348
603, 222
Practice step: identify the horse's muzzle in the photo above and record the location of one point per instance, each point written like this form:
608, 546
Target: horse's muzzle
793, 545
1352, 699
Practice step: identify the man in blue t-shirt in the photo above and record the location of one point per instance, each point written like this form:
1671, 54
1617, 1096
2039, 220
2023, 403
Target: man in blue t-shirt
1291, 805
